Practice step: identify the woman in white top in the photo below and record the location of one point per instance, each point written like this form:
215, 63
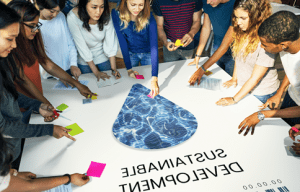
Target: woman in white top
58, 41
95, 38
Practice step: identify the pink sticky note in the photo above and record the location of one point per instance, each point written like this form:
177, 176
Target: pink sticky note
150, 96
139, 76
295, 129
95, 169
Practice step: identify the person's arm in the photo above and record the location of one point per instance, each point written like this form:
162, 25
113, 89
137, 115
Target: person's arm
32, 89
154, 55
277, 97
41, 184
189, 37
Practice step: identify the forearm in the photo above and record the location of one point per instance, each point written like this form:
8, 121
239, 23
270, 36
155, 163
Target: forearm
195, 28
162, 35
204, 35
93, 67
31, 88
58, 72
35, 185
247, 87
283, 85
291, 112
112, 61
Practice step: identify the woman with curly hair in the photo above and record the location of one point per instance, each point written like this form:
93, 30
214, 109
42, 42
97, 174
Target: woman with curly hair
95, 38
137, 33
254, 67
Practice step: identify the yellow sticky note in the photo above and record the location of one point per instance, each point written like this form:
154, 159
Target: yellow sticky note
207, 73
178, 43
75, 129
94, 97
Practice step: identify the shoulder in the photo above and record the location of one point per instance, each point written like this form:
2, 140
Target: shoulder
75, 11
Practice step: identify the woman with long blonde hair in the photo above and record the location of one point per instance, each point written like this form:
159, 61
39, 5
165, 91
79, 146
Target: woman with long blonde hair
137, 33
254, 67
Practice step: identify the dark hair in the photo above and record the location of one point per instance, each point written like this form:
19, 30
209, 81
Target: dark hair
279, 27
28, 51
84, 16
5, 157
7, 65
50, 4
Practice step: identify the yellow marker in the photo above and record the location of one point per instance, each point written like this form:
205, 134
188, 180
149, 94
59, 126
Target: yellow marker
178, 43
94, 97
207, 73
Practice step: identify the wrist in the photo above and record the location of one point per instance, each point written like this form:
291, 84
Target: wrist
69, 179
154, 78
260, 116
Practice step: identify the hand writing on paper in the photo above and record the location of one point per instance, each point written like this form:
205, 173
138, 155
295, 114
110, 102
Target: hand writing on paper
231, 82
75, 71
186, 39
154, 87
132, 73
79, 179
66, 83
116, 74
59, 132
293, 133
226, 101
248, 123
275, 100
196, 77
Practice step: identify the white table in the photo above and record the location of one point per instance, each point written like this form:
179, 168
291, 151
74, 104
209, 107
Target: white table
262, 156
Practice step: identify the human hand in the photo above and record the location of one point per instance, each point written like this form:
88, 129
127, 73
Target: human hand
231, 82
196, 77
154, 87
75, 71
171, 46
59, 132
186, 39
226, 101
79, 179
101, 75
248, 123
275, 100
296, 148
132, 73
116, 74
46, 110
84, 90
26, 175
66, 83
293, 133
195, 62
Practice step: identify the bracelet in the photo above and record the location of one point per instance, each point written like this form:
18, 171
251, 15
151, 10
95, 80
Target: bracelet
197, 55
203, 68
69, 179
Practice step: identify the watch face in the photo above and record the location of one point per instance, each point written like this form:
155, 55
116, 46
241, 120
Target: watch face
260, 116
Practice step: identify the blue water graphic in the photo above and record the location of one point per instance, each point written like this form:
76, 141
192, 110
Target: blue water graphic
147, 123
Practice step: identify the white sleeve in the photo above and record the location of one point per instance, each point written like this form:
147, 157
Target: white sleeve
4, 181
110, 44
79, 40
71, 45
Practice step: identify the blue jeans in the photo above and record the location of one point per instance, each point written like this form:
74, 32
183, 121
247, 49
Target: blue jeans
177, 55
289, 102
143, 58
226, 62
101, 66
264, 98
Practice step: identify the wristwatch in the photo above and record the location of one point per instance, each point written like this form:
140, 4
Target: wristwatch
260, 116
69, 179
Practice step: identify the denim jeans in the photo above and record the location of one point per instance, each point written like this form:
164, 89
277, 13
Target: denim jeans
289, 102
143, 58
264, 98
226, 62
176, 55
101, 66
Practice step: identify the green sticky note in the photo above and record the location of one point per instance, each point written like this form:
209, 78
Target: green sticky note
75, 129
62, 107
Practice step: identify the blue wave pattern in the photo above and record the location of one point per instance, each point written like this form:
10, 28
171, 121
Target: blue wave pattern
147, 123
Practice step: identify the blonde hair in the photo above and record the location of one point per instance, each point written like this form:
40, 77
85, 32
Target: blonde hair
258, 10
142, 18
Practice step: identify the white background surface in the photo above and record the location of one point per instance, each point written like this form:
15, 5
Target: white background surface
262, 156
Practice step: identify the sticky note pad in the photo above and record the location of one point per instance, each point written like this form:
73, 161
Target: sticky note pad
62, 107
75, 129
139, 76
95, 169
150, 96
295, 129
178, 43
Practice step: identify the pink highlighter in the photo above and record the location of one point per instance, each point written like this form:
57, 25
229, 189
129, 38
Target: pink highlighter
295, 129
139, 76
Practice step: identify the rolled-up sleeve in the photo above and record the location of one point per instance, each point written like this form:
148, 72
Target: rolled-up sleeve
79, 40
110, 44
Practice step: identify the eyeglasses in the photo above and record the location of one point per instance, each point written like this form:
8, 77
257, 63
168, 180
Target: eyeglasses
34, 28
